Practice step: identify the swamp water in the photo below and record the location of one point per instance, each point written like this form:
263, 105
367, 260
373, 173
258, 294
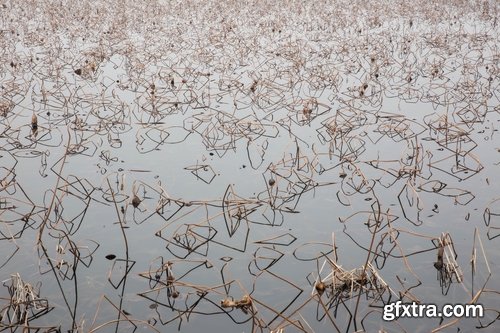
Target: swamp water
247, 167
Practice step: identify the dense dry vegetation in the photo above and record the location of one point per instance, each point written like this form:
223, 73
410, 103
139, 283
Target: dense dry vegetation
264, 166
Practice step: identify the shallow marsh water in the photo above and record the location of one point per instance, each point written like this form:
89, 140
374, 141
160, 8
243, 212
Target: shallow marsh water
204, 167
